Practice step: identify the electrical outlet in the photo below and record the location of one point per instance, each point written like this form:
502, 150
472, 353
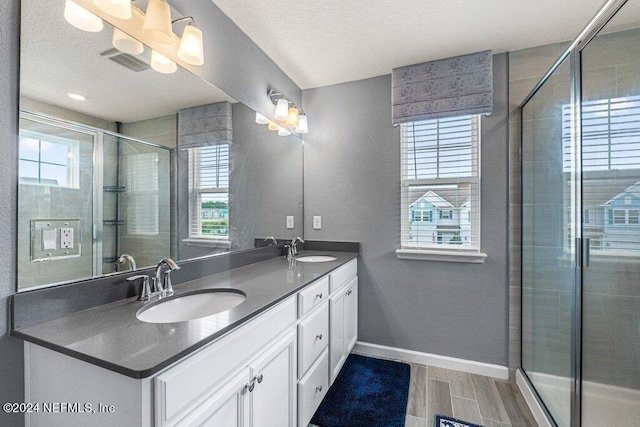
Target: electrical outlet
289, 221
66, 238
317, 222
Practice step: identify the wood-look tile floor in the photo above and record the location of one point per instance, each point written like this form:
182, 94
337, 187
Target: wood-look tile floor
474, 398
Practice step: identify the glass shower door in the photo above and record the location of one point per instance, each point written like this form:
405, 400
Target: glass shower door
611, 222
548, 235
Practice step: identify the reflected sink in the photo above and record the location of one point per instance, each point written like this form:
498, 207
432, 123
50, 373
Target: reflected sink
191, 305
316, 258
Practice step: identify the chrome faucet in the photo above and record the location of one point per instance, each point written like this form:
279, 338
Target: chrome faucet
273, 240
294, 245
128, 259
162, 285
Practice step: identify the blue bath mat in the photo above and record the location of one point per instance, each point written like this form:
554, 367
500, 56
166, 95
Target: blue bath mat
368, 392
444, 421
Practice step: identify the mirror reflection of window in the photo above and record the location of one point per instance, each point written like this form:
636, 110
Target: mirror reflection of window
48, 160
209, 192
142, 199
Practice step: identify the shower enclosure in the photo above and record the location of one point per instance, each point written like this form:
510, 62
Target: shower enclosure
87, 196
581, 227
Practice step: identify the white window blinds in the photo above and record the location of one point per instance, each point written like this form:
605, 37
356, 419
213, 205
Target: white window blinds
209, 192
441, 184
142, 194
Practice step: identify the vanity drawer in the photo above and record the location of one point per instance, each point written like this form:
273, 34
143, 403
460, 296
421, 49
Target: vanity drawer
312, 295
342, 275
313, 337
312, 388
188, 382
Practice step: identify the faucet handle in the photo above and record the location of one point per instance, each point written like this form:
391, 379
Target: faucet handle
166, 285
145, 292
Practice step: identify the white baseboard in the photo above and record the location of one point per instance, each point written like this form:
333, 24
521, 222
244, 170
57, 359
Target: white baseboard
411, 356
538, 412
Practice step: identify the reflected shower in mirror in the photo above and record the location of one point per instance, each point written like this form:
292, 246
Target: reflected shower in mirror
118, 159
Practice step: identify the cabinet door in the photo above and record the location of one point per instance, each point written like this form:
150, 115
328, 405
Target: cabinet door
226, 407
337, 355
273, 399
351, 315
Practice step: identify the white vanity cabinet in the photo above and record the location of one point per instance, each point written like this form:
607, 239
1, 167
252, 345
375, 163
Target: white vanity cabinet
272, 371
343, 316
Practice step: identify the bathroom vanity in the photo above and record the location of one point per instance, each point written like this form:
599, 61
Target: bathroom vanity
267, 362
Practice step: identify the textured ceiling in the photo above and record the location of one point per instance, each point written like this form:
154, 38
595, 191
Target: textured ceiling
57, 57
324, 42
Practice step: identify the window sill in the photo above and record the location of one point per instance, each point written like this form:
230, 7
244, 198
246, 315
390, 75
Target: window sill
446, 256
207, 243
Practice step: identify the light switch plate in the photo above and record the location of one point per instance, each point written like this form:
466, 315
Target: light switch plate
317, 222
290, 221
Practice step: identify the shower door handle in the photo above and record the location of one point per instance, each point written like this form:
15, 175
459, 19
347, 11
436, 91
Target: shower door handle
586, 248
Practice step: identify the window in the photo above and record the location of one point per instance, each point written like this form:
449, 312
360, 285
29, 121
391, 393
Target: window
142, 204
633, 215
624, 216
441, 174
48, 160
618, 216
609, 134
209, 192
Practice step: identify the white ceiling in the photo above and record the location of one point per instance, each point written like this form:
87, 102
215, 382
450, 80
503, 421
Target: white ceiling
323, 42
57, 57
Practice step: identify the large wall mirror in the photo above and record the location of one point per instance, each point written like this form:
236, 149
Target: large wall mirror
118, 159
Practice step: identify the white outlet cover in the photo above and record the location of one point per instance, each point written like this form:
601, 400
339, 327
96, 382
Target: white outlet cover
290, 221
317, 222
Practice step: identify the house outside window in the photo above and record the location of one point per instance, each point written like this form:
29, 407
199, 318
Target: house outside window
441, 176
209, 192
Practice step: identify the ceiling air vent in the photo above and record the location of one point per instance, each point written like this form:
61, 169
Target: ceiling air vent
126, 60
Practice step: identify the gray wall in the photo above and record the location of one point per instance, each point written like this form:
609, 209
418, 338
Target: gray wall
11, 360
352, 179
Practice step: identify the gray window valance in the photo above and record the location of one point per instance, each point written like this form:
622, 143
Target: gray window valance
450, 87
205, 126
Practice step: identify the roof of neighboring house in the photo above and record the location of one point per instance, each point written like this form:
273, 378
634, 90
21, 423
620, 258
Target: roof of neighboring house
633, 190
446, 197
600, 187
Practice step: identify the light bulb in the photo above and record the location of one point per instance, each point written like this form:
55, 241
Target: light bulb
157, 22
292, 119
116, 8
261, 120
81, 18
283, 132
125, 43
162, 64
303, 125
282, 109
191, 48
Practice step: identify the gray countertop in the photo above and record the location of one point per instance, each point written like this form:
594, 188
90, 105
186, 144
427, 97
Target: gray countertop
112, 337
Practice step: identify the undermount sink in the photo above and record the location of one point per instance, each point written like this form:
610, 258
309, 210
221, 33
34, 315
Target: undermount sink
191, 305
316, 258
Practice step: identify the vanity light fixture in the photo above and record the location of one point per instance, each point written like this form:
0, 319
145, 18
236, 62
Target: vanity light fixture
292, 118
117, 8
282, 109
261, 120
125, 43
191, 49
162, 64
157, 22
81, 18
283, 132
303, 124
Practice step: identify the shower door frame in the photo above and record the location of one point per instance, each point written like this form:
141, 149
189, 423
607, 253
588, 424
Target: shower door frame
573, 52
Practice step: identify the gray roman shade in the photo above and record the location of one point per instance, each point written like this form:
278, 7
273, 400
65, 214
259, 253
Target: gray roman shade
457, 86
205, 125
